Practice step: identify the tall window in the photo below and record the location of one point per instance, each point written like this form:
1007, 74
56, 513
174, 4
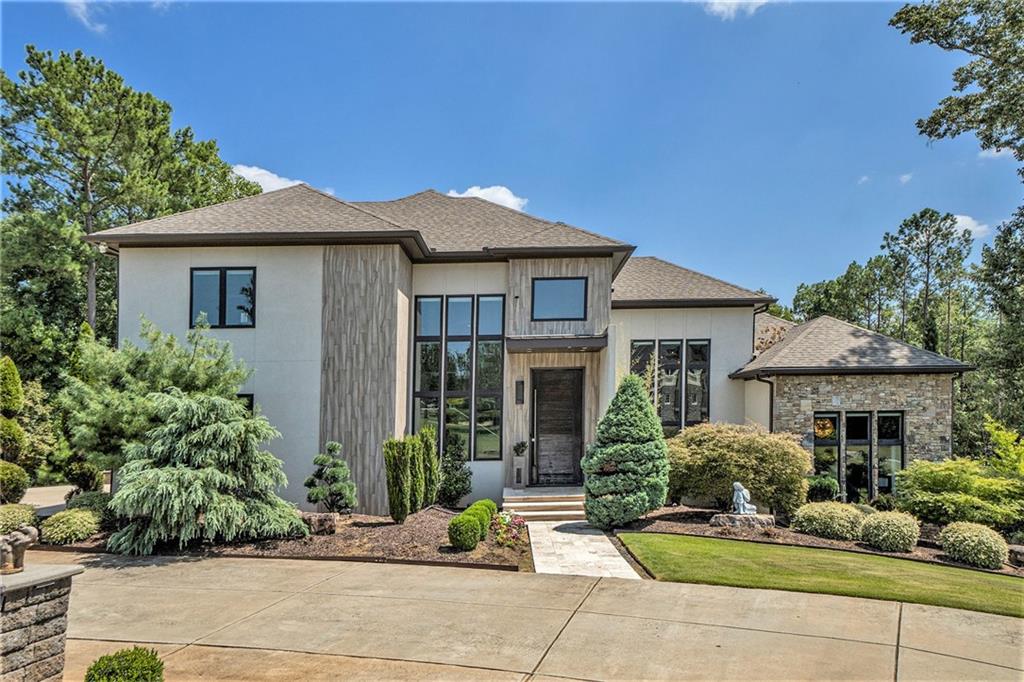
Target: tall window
826, 444
858, 457
458, 370
559, 298
698, 367
669, 385
890, 449
641, 363
226, 295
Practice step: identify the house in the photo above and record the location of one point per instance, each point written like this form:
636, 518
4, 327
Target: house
365, 320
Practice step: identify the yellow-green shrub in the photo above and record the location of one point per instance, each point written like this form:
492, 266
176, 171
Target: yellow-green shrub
974, 544
890, 531
833, 520
70, 525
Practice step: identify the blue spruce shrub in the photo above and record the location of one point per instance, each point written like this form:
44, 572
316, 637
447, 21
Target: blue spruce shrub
626, 467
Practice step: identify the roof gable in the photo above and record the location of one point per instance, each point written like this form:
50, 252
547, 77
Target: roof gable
649, 282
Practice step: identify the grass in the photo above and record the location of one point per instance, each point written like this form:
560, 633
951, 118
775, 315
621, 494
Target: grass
712, 561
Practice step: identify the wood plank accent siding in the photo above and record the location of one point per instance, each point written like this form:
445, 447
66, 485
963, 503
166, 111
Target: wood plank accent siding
521, 272
364, 333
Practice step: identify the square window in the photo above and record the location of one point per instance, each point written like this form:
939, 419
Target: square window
460, 316
858, 428
559, 298
428, 316
890, 426
826, 428
427, 374
490, 315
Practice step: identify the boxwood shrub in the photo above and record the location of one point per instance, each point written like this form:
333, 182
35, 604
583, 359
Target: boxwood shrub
833, 520
974, 544
464, 532
70, 525
13, 482
890, 531
482, 514
127, 665
97, 502
14, 515
822, 488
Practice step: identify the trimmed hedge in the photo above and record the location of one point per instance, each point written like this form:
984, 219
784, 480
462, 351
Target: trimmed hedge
822, 489
891, 531
431, 464
97, 502
13, 516
482, 514
974, 544
12, 396
13, 440
70, 525
13, 483
464, 532
396, 469
136, 664
417, 473
833, 520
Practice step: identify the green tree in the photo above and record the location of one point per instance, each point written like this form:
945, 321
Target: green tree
456, 476
331, 484
431, 464
626, 467
12, 400
36, 421
199, 474
988, 97
399, 479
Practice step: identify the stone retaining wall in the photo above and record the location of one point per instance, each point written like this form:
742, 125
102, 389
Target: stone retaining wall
33, 622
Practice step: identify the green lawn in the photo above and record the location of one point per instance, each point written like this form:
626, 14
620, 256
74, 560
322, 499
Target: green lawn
689, 559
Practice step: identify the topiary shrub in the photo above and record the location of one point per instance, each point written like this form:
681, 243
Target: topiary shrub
13, 440
97, 502
456, 476
201, 476
974, 544
136, 664
891, 531
12, 396
833, 520
13, 516
822, 489
13, 483
959, 490
884, 502
331, 484
464, 532
483, 516
70, 525
706, 459
626, 469
396, 470
417, 475
431, 464
490, 505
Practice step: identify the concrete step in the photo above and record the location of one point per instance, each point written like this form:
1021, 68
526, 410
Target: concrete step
553, 515
516, 499
546, 505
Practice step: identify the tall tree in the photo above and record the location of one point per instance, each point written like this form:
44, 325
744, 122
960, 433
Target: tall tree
988, 90
82, 145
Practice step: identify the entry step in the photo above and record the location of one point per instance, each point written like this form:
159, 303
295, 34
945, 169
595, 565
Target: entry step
519, 506
553, 515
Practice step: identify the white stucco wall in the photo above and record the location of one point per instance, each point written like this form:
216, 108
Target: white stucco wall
731, 333
466, 278
758, 402
283, 348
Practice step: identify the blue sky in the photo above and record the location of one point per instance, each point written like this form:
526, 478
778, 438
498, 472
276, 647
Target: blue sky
766, 148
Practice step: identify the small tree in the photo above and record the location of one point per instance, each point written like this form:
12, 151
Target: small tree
12, 399
201, 475
417, 474
456, 476
626, 469
431, 464
331, 483
396, 469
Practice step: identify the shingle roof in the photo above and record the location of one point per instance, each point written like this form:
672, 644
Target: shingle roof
648, 282
826, 345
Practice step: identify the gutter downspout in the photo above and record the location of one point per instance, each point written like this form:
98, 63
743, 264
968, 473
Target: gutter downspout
771, 402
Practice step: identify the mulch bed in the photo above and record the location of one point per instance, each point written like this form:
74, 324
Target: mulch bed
423, 538
683, 520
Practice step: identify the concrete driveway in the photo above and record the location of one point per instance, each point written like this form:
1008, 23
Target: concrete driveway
261, 619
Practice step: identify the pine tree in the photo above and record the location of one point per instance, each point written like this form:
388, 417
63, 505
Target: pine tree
331, 483
626, 468
12, 399
456, 476
200, 475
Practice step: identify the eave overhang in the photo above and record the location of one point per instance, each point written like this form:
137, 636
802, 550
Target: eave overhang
692, 303
883, 369
569, 343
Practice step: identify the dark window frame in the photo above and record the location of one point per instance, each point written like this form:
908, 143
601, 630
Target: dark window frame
888, 442
428, 338
498, 393
680, 395
652, 361
858, 443
533, 299
222, 296
686, 386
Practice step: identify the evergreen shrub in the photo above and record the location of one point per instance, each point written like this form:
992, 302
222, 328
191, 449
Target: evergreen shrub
431, 464
464, 532
70, 525
891, 531
396, 470
12, 516
822, 489
97, 502
331, 484
12, 396
136, 664
960, 490
974, 544
456, 476
417, 474
13, 483
833, 520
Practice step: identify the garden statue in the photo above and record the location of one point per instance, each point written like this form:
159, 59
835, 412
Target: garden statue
741, 500
13, 546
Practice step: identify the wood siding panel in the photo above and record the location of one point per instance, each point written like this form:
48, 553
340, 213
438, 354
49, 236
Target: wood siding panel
521, 273
365, 342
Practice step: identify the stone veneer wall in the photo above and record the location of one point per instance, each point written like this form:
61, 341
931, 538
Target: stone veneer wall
33, 621
926, 401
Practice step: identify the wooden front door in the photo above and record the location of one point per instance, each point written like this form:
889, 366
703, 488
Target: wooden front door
557, 427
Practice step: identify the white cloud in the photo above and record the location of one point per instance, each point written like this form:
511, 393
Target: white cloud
498, 194
1004, 153
267, 180
83, 11
328, 190
977, 229
727, 10
862, 179
906, 177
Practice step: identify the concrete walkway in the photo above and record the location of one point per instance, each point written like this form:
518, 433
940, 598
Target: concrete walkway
263, 619
576, 548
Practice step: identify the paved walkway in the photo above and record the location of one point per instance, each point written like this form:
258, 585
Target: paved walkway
576, 548
263, 619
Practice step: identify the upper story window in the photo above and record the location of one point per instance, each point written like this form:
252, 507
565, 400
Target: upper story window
559, 298
698, 393
226, 295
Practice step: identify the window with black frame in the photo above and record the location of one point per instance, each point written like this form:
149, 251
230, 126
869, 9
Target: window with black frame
641, 363
226, 296
890, 449
826, 444
426, 385
669, 387
558, 298
488, 377
698, 391
458, 370
858, 457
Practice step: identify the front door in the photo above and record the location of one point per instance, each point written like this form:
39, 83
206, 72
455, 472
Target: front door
557, 427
